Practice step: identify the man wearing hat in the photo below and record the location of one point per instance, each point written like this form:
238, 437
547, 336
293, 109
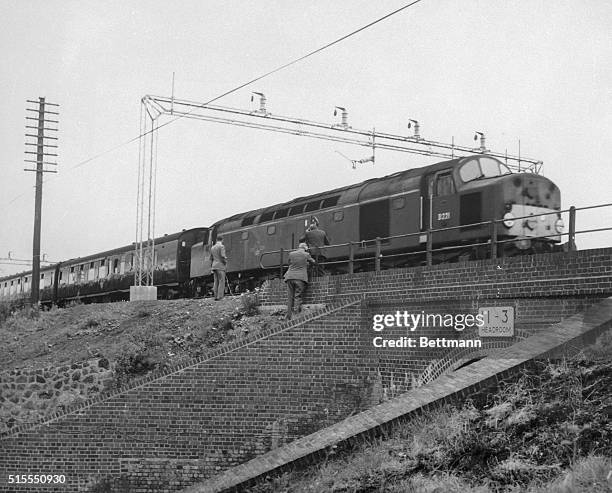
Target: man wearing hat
316, 239
296, 278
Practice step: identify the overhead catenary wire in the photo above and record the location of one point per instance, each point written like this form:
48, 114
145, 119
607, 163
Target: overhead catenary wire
237, 88
256, 79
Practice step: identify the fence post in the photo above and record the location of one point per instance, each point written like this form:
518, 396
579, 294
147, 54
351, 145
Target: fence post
493, 240
351, 257
429, 247
571, 240
281, 264
377, 259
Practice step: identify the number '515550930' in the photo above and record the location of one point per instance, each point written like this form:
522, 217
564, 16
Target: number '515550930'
36, 478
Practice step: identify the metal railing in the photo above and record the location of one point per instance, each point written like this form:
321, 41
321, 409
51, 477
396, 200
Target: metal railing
493, 242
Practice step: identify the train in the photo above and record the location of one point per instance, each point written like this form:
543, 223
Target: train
449, 204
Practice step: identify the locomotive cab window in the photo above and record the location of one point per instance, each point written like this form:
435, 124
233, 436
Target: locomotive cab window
444, 185
482, 167
492, 167
470, 171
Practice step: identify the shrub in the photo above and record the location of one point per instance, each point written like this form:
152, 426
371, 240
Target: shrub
142, 354
250, 303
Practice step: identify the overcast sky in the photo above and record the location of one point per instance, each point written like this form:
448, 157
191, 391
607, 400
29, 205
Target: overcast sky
536, 70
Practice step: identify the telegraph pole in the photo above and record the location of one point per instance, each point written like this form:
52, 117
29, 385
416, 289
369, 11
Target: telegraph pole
39, 140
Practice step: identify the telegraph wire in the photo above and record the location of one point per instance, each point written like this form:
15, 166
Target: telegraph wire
237, 88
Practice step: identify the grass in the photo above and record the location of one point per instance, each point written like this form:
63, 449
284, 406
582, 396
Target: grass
163, 330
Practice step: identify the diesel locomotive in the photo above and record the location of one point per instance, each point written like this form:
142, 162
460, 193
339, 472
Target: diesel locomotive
456, 199
451, 202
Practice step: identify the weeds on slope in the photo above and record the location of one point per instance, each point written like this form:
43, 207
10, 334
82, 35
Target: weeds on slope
549, 430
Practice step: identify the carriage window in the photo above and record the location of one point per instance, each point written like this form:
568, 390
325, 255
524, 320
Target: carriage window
245, 235
338, 216
399, 202
444, 185
271, 229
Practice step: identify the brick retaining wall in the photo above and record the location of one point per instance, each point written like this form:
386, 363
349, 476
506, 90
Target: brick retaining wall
550, 275
228, 407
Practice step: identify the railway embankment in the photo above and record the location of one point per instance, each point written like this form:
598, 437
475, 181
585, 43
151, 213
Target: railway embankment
56, 359
266, 390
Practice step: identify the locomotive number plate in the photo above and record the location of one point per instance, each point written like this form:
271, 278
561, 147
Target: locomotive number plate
498, 321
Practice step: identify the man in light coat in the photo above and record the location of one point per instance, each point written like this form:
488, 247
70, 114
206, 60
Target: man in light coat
296, 278
219, 265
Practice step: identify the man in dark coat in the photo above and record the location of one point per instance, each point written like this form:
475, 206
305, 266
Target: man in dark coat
219, 265
316, 239
296, 278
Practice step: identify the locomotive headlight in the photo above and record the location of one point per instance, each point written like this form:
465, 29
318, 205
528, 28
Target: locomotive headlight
508, 219
559, 226
530, 222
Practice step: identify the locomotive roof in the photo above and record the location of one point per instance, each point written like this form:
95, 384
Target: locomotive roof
357, 187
